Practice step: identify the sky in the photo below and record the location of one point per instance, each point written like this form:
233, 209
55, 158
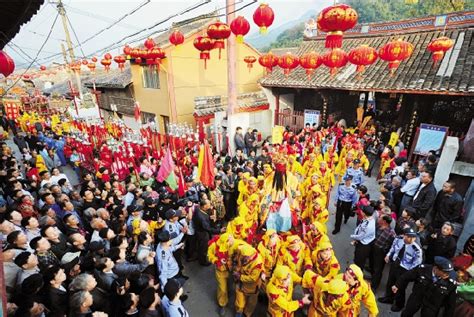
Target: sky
89, 17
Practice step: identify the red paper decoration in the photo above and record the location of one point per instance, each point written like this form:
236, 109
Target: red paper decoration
94, 59
42, 68
7, 65
127, 50
335, 20
268, 61
176, 38
395, 52
335, 59
288, 62
362, 56
106, 63
240, 27
218, 31
250, 60
108, 56
149, 43
263, 17
439, 47
120, 60
204, 44
91, 67
310, 61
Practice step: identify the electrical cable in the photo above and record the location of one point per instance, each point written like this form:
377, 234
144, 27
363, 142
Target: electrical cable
36, 57
75, 35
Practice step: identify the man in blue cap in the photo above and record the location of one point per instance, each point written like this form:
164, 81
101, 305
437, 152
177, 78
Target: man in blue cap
346, 198
356, 172
434, 288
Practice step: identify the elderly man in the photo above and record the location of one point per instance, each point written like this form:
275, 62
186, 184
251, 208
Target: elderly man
448, 205
425, 196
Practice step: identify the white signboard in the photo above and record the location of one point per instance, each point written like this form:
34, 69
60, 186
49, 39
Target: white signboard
311, 117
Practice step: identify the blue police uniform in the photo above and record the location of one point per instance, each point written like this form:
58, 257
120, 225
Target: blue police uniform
346, 198
357, 175
166, 263
171, 309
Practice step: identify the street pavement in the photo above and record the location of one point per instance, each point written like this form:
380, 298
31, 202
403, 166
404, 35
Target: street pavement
201, 286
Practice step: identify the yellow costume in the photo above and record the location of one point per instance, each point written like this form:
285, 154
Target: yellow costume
220, 254
361, 293
329, 298
247, 272
269, 250
331, 157
317, 212
315, 235
250, 209
319, 266
237, 228
243, 187
325, 177
280, 296
293, 255
294, 166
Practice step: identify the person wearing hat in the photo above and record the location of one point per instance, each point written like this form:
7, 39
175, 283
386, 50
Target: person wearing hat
171, 302
329, 297
176, 231
321, 262
149, 211
363, 236
293, 254
70, 262
356, 172
346, 198
318, 212
236, 227
166, 263
280, 293
220, 253
247, 277
166, 203
359, 293
315, 234
434, 288
269, 247
404, 255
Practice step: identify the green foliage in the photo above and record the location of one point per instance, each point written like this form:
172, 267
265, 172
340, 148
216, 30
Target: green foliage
381, 10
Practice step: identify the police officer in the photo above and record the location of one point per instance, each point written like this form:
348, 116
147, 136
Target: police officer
346, 198
404, 256
435, 287
166, 203
356, 172
176, 231
167, 265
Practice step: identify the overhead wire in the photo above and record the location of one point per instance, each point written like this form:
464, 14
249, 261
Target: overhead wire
36, 57
21, 52
75, 35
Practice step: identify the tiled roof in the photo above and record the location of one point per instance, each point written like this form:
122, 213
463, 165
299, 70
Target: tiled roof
247, 102
14, 15
453, 75
284, 50
113, 79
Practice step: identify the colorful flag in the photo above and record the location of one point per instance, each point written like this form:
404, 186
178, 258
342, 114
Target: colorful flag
181, 184
206, 165
166, 171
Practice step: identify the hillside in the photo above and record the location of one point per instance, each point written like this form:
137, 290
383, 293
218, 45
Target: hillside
374, 11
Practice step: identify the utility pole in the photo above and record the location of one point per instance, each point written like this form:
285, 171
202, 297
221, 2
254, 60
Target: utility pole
231, 76
64, 53
62, 13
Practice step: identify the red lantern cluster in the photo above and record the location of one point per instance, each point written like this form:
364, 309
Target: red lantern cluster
334, 59
438, 47
219, 32
310, 61
150, 53
76, 67
176, 38
127, 50
250, 60
240, 27
7, 65
268, 61
204, 44
288, 62
263, 17
335, 20
362, 56
395, 52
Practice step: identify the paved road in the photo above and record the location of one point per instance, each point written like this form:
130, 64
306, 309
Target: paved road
201, 286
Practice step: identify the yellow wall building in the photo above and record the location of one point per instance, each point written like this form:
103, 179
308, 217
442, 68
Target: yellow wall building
182, 76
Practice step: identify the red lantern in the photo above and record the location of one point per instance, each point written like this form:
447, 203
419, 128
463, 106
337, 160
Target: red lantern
143, 53
362, 56
106, 63
288, 62
335, 20
156, 54
94, 59
120, 60
127, 50
268, 61
176, 38
149, 43
334, 59
26, 77
76, 67
108, 56
7, 65
204, 44
439, 47
138, 60
91, 67
395, 52
250, 60
135, 52
310, 61
240, 27
218, 31
42, 68
85, 62
263, 17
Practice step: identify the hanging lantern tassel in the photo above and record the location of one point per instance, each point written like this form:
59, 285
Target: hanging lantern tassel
334, 39
393, 67
205, 56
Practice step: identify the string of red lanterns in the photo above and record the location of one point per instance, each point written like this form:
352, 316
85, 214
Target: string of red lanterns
438, 47
219, 32
310, 61
394, 52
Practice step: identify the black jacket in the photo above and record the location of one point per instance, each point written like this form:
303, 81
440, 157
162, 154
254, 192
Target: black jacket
444, 246
424, 202
447, 207
56, 301
432, 295
202, 223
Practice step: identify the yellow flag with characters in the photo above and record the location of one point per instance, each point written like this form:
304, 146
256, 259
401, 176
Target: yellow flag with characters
277, 134
393, 139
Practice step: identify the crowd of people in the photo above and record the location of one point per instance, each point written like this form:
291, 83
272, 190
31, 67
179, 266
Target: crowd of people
118, 243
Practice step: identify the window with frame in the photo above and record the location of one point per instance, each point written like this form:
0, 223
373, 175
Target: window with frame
150, 78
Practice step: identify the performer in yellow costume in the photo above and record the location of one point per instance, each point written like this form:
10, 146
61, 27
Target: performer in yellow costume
318, 212
237, 228
293, 254
325, 176
331, 157
323, 262
315, 235
269, 248
280, 293
359, 292
329, 298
